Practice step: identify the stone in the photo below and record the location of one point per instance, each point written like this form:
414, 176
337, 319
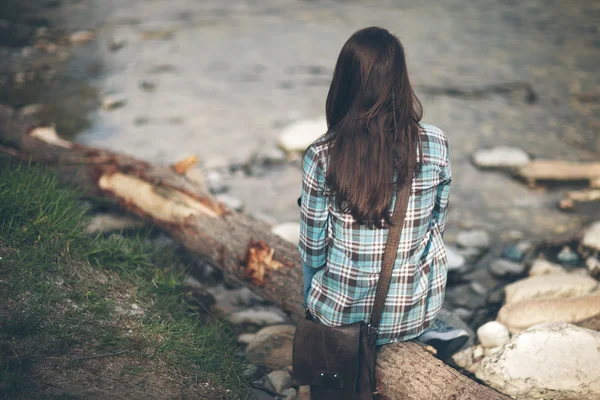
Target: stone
258, 394
147, 85
81, 37
568, 257
229, 301
455, 260
549, 287
110, 223
272, 347
544, 267
591, 237
116, 44
463, 296
274, 156
246, 338
502, 157
504, 268
550, 361
289, 394
463, 358
517, 252
289, 231
230, 201
593, 266
280, 380
463, 313
260, 316
488, 351
251, 373
492, 334
519, 316
479, 239
297, 136
215, 182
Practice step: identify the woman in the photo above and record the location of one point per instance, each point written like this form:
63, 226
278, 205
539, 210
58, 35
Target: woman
351, 176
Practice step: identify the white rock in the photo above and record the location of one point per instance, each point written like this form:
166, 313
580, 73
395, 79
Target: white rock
272, 346
522, 315
473, 238
464, 358
502, 267
246, 338
478, 353
550, 361
593, 265
455, 259
280, 380
591, 238
550, 287
492, 334
289, 231
300, 134
544, 267
501, 157
488, 351
261, 316
232, 202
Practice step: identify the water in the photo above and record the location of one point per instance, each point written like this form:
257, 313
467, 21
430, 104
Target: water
220, 78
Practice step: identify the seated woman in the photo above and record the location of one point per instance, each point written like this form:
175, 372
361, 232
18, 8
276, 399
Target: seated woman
351, 177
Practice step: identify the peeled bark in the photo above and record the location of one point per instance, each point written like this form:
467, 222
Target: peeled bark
242, 247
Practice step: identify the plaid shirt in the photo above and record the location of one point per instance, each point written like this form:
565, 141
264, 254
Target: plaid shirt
343, 291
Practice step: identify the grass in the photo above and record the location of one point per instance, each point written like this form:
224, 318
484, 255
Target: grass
71, 302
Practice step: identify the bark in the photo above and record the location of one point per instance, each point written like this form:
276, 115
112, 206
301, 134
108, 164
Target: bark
241, 246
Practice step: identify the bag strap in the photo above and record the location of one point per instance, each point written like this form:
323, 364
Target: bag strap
391, 251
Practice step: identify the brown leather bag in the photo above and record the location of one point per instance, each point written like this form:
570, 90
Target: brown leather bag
339, 362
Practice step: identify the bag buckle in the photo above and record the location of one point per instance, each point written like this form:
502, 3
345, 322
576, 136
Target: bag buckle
372, 330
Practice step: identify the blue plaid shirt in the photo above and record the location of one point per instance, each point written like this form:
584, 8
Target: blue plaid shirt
348, 256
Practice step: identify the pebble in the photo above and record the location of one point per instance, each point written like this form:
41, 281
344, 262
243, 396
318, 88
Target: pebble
545, 267
272, 347
230, 201
568, 257
455, 260
591, 237
492, 334
518, 251
297, 136
289, 231
502, 157
479, 239
463, 313
550, 287
251, 373
81, 37
522, 315
116, 44
502, 268
289, 394
147, 85
274, 156
260, 316
549, 361
593, 266
246, 338
280, 380
215, 182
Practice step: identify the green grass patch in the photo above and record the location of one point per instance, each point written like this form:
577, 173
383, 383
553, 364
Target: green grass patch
71, 297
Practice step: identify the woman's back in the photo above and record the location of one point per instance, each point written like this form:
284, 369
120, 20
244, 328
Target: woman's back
343, 291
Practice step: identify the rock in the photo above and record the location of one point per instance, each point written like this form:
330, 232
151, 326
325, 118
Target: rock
591, 237
289, 231
463, 358
463, 313
229, 301
550, 361
503, 157
146, 85
544, 267
492, 334
478, 288
289, 394
113, 102
593, 266
300, 134
246, 338
116, 44
488, 351
450, 318
503, 268
272, 346
568, 257
549, 287
517, 252
232, 202
109, 223
251, 373
274, 156
473, 238
522, 315
260, 395
260, 316
455, 260
280, 380
215, 182
463, 296
81, 37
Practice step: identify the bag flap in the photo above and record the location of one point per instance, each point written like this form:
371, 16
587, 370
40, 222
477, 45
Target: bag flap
327, 356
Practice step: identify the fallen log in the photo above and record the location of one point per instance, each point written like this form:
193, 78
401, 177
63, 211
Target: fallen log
242, 247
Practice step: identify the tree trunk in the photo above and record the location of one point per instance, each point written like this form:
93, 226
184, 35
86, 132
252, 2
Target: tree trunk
241, 246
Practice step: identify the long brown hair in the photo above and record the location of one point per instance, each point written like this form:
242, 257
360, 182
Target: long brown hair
373, 119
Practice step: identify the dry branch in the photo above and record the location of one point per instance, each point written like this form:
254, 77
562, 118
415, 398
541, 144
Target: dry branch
241, 246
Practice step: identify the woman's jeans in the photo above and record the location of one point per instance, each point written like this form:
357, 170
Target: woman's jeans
307, 276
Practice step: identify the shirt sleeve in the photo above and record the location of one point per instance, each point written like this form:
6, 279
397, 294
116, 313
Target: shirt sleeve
313, 211
440, 210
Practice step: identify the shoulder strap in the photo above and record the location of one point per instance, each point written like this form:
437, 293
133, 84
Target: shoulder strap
391, 250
